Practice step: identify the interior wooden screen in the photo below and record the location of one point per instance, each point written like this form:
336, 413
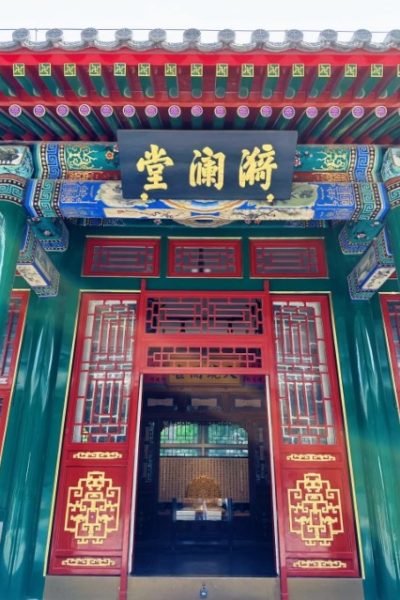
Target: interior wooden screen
9, 351
92, 508
316, 523
391, 315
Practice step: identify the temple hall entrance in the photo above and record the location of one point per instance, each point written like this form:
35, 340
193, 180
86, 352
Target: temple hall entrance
204, 490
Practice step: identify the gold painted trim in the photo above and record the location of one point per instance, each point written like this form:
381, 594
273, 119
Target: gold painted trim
320, 564
97, 455
14, 382
61, 438
347, 438
126, 237
311, 457
391, 366
87, 561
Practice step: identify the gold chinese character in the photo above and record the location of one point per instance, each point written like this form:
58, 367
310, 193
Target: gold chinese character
207, 168
154, 162
257, 167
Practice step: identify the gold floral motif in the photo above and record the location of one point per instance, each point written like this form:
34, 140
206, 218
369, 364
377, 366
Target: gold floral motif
93, 508
315, 511
311, 457
97, 455
84, 561
319, 564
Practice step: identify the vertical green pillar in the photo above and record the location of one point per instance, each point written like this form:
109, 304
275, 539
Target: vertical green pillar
12, 221
391, 177
373, 430
26, 443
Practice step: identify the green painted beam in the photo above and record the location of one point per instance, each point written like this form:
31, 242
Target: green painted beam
50, 80
386, 127
11, 126
146, 79
321, 81
121, 79
346, 80
356, 113
241, 117
306, 118
74, 79
108, 113
263, 118
91, 119
63, 111
26, 120
21, 75
373, 119
175, 116
153, 116
246, 80
324, 123
6, 88
296, 80
271, 80
285, 118
196, 113
371, 82
392, 85
221, 79
130, 114
41, 113
95, 72
171, 79
196, 79
219, 117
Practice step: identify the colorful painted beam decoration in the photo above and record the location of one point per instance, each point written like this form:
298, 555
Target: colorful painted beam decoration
36, 267
373, 269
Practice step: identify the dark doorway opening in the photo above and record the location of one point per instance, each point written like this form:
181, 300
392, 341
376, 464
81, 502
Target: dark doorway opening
204, 491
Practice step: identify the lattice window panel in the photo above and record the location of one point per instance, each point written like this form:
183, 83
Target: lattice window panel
121, 257
287, 258
212, 357
204, 258
305, 390
391, 314
104, 370
235, 315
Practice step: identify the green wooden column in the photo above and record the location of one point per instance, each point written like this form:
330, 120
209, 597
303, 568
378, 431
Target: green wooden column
12, 221
26, 443
374, 431
391, 177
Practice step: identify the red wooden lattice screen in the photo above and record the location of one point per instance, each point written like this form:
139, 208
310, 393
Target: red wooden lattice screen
287, 258
204, 258
214, 333
9, 350
317, 534
121, 257
92, 512
391, 315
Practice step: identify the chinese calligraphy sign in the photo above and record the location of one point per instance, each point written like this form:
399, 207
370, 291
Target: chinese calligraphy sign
208, 165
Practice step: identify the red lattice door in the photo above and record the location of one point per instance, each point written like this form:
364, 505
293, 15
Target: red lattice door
316, 525
92, 509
